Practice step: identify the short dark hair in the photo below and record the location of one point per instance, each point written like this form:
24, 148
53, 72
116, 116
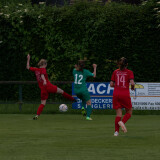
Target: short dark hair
81, 64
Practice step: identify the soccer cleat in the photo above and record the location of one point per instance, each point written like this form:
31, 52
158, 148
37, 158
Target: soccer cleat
123, 127
35, 117
116, 134
83, 112
89, 118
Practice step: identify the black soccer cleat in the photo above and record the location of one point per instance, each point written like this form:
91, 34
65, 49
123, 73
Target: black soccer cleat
83, 111
35, 117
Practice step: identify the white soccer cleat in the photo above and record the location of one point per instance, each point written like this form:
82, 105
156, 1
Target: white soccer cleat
116, 134
122, 125
89, 118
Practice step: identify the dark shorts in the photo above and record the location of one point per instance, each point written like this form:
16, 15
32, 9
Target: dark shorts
83, 95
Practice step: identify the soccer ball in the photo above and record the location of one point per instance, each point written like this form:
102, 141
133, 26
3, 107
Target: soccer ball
63, 108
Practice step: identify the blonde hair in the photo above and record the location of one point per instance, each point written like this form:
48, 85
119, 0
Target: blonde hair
42, 62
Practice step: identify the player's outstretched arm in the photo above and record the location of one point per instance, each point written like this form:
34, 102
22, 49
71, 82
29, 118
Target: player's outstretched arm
132, 84
95, 70
28, 61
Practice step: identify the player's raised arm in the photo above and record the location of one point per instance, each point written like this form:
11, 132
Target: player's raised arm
28, 61
132, 84
94, 71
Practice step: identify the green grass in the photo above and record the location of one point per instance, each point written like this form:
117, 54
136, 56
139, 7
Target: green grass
71, 137
54, 108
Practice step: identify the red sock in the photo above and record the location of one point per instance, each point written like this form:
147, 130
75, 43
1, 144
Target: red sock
40, 109
117, 119
126, 117
66, 95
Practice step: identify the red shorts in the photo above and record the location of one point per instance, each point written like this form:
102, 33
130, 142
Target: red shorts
46, 90
121, 101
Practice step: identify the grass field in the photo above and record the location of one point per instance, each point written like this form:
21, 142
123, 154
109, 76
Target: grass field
71, 137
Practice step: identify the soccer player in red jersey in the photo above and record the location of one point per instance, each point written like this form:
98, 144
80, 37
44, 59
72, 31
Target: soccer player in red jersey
44, 84
120, 80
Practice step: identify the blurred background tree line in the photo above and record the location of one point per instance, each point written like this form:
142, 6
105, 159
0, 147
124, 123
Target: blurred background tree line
63, 2
63, 35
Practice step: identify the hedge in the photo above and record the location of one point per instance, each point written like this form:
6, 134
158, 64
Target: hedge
62, 35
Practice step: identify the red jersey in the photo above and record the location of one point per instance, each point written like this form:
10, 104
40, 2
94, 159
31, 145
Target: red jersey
38, 72
122, 79
121, 95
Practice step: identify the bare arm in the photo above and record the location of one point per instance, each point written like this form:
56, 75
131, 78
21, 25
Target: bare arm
132, 84
44, 79
94, 71
112, 84
28, 61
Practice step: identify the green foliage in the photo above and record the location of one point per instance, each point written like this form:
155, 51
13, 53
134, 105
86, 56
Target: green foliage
63, 35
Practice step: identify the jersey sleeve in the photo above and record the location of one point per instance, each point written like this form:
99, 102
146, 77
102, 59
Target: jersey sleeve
89, 74
113, 77
131, 75
33, 69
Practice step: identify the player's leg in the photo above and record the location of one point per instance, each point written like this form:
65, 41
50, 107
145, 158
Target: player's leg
65, 95
117, 106
83, 108
40, 109
126, 102
117, 119
44, 97
83, 104
86, 98
89, 110
128, 115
